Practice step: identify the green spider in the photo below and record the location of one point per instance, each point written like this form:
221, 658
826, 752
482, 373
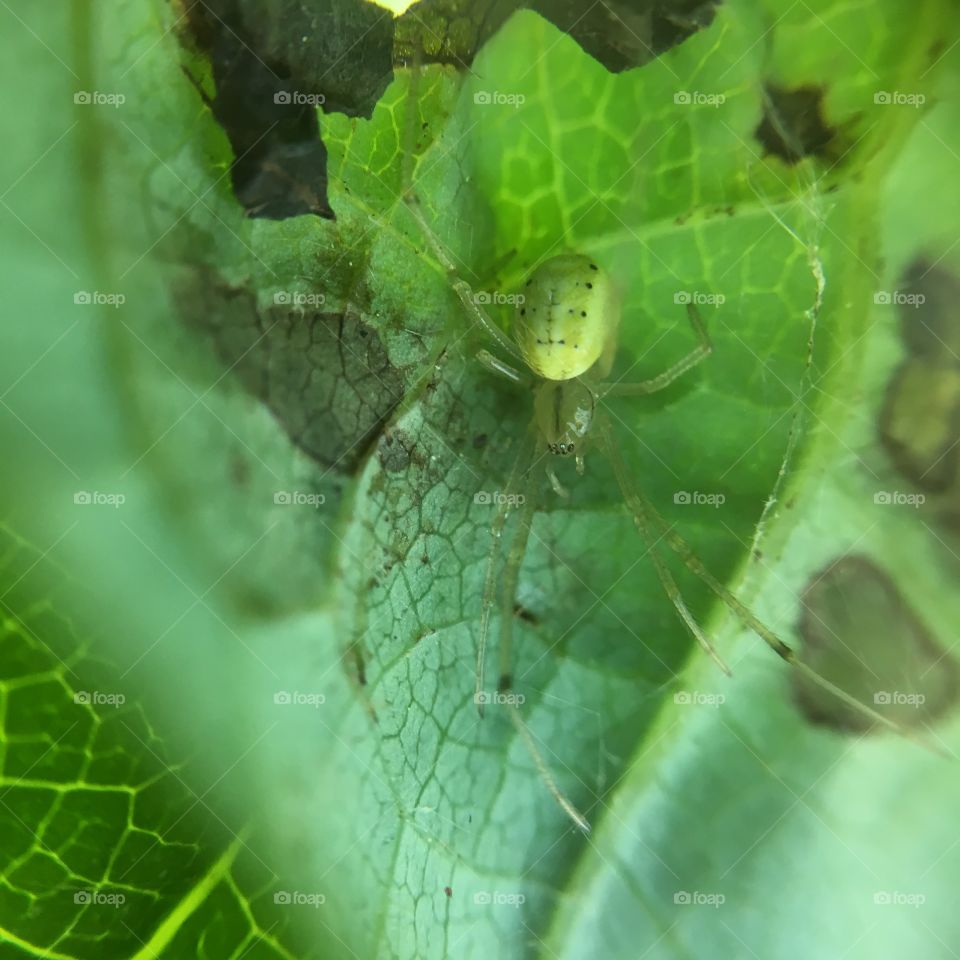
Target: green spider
565, 334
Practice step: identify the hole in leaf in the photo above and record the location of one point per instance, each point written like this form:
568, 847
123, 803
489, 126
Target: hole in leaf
793, 126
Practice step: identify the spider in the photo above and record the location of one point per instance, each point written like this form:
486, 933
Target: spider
565, 331
563, 343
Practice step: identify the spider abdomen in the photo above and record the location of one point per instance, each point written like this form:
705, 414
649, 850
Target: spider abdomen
566, 318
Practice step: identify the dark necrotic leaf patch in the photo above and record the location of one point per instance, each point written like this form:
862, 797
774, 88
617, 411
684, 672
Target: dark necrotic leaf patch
325, 376
928, 305
920, 420
920, 423
860, 632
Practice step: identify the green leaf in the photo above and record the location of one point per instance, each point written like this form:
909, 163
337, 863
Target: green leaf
288, 594
108, 851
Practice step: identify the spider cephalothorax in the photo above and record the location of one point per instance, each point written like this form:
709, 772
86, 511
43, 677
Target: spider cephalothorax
564, 414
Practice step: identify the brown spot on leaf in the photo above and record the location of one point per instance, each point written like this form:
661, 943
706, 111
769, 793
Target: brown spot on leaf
522, 613
394, 451
928, 305
920, 419
920, 422
861, 633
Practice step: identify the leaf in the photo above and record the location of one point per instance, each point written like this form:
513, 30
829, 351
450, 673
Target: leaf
619, 35
292, 592
107, 847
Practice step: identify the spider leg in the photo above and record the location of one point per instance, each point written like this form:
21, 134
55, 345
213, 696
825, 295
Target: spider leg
545, 775
676, 598
663, 380
501, 369
508, 593
520, 468
509, 578
651, 525
508, 589
558, 488
461, 288
411, 201
650, 537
